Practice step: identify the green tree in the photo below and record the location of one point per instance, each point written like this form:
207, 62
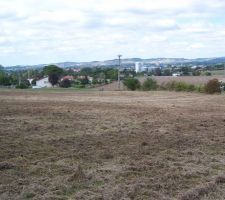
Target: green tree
167, 72
4, 79
50, 69
53, 78
54, 72
207, 73
185, 71
112, 74
132, 83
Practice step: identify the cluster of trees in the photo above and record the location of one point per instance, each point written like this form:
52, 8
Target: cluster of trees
19, 78
211, 87
7, 79
99, 75
215, 67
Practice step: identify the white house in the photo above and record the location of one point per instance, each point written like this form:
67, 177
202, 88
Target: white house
43, 83
175, 74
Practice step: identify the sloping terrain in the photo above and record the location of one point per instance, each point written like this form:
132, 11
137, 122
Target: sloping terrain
111, 145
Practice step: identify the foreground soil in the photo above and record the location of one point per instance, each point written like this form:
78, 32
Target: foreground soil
111, 145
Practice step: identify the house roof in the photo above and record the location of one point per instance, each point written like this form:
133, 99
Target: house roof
42, 78
68, 77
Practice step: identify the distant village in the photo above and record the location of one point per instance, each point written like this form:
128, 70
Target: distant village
83, 77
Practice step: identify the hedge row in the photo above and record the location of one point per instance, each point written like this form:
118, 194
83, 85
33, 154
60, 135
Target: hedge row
213, 86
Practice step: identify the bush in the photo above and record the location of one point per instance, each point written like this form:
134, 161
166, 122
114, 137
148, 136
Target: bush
65, 83
170, 85
22, 86
181, 86
178, 86
191, 88
208, 73
213, 86
78, 86
149, 84
200, 88
132, 83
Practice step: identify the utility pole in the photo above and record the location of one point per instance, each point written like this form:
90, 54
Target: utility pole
119, 56
19, 78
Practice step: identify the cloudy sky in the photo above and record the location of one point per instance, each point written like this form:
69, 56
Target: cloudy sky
45, 31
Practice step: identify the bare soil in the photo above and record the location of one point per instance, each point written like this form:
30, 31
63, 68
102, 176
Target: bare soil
111, 145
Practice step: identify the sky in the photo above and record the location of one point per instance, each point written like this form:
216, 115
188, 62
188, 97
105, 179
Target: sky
48, 31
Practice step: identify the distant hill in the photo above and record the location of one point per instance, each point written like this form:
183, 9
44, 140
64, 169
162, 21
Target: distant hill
127, 62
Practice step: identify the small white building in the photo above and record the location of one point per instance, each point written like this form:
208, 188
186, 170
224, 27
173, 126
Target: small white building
176, 74
43, 83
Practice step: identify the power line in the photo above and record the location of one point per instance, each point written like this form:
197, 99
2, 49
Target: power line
119, 56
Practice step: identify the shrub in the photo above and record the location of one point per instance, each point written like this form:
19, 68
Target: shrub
208, 73
191, 88
22, 86
65, 83
132, 83
149, 84
213, 86
178, 86
200, 88
181, 86
170, 85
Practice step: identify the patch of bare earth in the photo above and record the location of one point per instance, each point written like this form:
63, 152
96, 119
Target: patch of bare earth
111, 145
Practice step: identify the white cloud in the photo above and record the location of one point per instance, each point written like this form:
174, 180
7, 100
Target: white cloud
197, 46
58, 30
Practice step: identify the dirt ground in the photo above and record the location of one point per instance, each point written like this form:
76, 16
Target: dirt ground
111, 145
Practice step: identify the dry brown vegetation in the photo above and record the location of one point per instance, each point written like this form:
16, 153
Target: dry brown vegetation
111, 145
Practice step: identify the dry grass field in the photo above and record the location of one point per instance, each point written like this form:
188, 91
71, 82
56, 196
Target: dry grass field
111, 145
196, 80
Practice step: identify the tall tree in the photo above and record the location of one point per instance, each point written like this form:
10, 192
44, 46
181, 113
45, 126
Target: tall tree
54, 72
52, 69
53, 78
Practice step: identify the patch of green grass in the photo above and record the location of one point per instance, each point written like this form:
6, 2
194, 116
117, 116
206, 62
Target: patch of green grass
214, 149
28, 195
71, 189
98, 183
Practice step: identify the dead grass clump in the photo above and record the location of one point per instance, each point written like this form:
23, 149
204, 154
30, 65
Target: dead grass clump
220, 179
106, 155
78, 176
144, 144
6, 165
202, 190
197, 192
